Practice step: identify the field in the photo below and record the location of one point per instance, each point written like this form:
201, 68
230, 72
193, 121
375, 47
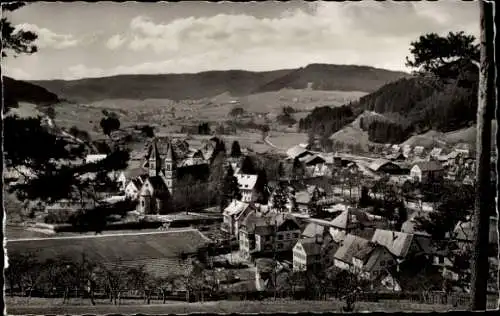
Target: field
18, 306
286, 140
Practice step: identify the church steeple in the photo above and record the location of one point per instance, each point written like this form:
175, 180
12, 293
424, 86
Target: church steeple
154, 159
170, 167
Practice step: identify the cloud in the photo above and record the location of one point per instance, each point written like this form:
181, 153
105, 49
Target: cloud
82, 71
115, 42
48, 39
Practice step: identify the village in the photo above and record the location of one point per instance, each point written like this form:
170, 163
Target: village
323, 218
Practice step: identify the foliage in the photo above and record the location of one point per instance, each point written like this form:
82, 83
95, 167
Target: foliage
324, 121
14, 40
280, 197
286, 117
204, 129
148, 131
237, 111
455, 203
230, 189
298, 169
109, 124
80, 134
235, 149
248, 166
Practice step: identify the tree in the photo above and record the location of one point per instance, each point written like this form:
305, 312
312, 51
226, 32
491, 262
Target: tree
148, 131
230, 188
280, 198
235, 149
16, 41
261, 187
109, 124
248, 166
237, 111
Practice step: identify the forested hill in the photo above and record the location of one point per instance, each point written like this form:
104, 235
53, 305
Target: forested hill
409, 106
212, 83
21, 91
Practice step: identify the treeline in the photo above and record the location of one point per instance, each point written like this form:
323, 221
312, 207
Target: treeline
327, 120
385, 131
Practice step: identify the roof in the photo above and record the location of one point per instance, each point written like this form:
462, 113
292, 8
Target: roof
296, 151
398, 243
155, 248
302, 197
351, 216
157, 183
464, 231
350, 246
94, 158
308, 159
235, 207
429, 165
311, 246
313, 229
377, 164
435, 152
246, 181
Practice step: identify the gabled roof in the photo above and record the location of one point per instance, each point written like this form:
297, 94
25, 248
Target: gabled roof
377, 164
158, 184
464, 231
297, 151
436, 152
312, 246
397, 243
314, 229
235, 208
351, 217
429, 165
350, 246
246, 181
309, 159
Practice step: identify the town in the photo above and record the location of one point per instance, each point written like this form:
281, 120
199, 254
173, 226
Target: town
381, 223
249, 157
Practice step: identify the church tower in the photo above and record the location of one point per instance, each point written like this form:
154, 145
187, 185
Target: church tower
154, 160
170, 168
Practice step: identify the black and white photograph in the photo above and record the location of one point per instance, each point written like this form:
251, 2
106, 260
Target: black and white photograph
249, 157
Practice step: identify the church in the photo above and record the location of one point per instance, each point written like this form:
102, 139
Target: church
172, 175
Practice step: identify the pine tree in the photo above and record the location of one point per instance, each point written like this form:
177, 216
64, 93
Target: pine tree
230, 188
248, 166
280, 198
235, 149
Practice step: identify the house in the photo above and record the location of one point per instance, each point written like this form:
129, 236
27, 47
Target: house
435, 153
427, 171
303, 198
307, 253
133, 187
279, 235
298, 152
396, 157
355, 222
418, 151
402, 245
464, 234
169, 178
406, 150
348, 248
371, 260
268, 272
232, 214
384, 166
246, 184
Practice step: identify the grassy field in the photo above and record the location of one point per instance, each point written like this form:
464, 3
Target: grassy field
286, 140
18, 306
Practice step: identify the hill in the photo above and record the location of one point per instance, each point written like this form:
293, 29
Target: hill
212, 83
334, 77
16, 91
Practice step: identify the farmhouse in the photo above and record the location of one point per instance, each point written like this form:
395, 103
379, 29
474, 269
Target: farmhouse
298, 152
384, 166
371, 260
280, 235
132, 188
463, 233
427, 171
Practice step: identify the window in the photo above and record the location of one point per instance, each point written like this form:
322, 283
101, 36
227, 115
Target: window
280, 237
287, 236
268, 238
295, 235
382, 263
142, 203
168, 166
280, 246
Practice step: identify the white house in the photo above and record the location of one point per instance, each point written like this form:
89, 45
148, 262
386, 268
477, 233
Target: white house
306, 253
246, 184
232, 213
132, 189
427, 171
94, 158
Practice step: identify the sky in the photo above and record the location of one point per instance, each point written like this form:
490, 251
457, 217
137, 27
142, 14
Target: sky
79, 39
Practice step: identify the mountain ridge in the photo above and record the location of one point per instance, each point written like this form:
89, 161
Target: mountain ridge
211, 83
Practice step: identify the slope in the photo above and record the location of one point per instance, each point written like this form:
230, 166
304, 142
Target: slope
16, 91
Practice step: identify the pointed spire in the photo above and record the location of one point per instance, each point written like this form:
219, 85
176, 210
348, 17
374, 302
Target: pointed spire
170, 156
154, 153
